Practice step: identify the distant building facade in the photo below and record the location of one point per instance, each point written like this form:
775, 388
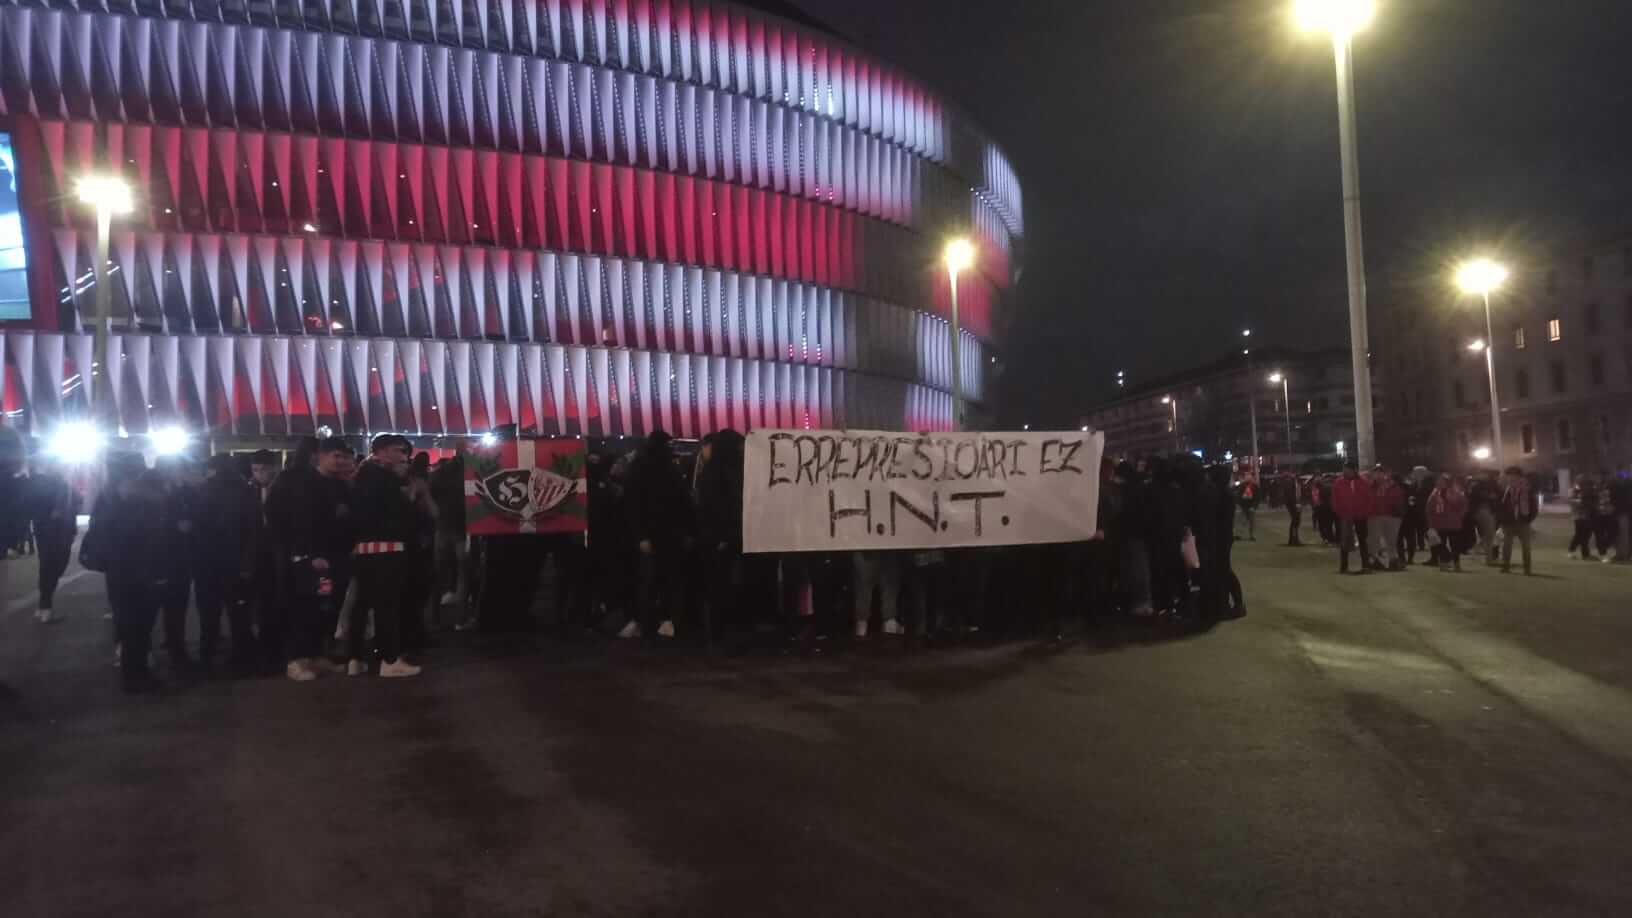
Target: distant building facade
1214, 408
1563, 352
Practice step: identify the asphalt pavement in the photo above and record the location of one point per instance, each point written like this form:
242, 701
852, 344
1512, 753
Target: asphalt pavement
1398, 744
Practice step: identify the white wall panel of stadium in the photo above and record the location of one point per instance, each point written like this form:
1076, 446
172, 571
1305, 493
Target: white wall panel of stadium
439, 217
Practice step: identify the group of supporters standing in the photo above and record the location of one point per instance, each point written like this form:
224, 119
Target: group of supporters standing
291, 565
298, 561
1389, 519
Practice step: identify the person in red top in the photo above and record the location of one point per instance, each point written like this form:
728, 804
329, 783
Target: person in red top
1447, 512
1387, 511
1351, 501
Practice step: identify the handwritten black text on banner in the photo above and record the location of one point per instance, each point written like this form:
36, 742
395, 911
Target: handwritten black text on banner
828, 490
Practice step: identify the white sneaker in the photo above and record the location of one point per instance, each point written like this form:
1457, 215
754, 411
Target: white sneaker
399, 668
299, 671
43, 616
666, 629
891, 626
861, 629
630, 631
450, 598
356, 668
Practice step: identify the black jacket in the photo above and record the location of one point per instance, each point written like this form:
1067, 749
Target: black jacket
719, 491
127, 534
448, 489
227, 523
52, 505
309, 515
380, 510
657, 500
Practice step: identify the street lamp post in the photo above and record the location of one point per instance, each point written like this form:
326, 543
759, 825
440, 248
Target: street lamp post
960, 255
1342, 18
1174, 403
1481, 276
110, 196
1252, 404
1286, 403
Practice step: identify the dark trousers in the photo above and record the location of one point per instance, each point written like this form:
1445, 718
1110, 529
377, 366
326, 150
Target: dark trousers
416, 598
1604, 533
135, 605
54, 552
381, 586
1296, 523
175, 597
1582, 539
725, 591
271, 597
1350, 532
661, 583
1449, 549
301, 611
1169, 578
1326, 523
218, 591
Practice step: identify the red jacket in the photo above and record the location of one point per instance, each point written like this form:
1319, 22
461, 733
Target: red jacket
1351, 498
1447, 509
1388, 499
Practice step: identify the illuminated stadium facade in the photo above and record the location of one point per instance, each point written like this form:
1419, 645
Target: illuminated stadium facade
581, 217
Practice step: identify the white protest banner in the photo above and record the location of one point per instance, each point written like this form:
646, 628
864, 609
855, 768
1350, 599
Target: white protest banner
844, 490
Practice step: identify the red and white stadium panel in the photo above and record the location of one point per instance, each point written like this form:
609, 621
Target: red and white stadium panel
580, 216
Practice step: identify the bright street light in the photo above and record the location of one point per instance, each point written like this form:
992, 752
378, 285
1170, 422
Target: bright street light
1480, 276
169, 441
489, 441
77, 441
959, 256
1477, 345
110, 196
1341, 19
1482, 453
1167, 399
108, 193
1279, 378
1338, 17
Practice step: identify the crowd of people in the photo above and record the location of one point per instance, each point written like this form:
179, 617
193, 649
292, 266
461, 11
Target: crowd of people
1389, 519
336, 562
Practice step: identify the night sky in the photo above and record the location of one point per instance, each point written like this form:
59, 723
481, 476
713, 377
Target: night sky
1180, 159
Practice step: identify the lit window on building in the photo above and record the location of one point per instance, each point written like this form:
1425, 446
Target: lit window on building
1555, 330
1518, 337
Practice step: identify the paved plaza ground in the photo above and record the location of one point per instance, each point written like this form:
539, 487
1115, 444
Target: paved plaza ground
1407, 744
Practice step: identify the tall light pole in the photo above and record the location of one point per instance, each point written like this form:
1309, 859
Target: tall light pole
1174, 402
1343, 18
1286, 403
110, 196
1252, 403
1481, 276
959, 256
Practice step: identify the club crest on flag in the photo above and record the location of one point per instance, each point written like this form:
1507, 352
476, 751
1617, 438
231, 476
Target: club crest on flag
526, 486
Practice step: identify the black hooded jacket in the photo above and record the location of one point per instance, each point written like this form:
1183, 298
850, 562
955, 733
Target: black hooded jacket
657, 499
719, 490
